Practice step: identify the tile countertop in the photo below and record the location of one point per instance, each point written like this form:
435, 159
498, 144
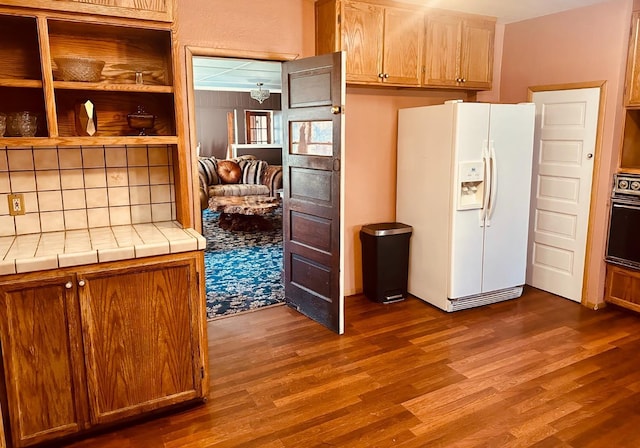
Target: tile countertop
41, 251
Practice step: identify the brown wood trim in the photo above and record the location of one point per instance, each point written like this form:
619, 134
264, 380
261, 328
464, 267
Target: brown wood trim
190, 53
602, 85
185, 196
595, 306
47, 77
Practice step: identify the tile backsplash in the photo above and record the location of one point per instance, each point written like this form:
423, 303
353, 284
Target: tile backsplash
70, 188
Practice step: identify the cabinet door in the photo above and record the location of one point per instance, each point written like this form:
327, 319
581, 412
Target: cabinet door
476, 53
403, 36
632, 93
362, 30
622, 287
442, 50
41, 343
142, 336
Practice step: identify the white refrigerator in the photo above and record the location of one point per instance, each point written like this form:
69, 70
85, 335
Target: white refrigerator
464, 185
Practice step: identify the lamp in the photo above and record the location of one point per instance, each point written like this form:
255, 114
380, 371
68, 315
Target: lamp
260, 95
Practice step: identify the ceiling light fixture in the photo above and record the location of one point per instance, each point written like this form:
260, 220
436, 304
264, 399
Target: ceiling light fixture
260, 95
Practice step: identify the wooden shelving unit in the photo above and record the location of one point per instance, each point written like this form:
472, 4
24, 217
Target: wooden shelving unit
28, 78
51, 377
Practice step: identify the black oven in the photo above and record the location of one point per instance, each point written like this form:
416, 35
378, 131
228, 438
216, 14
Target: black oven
623, 244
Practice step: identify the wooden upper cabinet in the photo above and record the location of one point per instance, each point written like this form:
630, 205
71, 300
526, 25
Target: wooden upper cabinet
362, 32
157, 10
442, 50
403, 37
458, 50
632, 91
383, 43
400, 44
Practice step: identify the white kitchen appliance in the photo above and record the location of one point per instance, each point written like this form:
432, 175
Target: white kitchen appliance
464, 185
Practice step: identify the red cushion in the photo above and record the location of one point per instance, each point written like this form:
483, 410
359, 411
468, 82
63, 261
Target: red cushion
229, 172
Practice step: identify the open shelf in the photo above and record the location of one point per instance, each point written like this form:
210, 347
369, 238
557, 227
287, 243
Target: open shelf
124, 50
111, 111
74, 85
19, 51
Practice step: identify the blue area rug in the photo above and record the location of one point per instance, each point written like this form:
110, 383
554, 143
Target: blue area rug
243, 269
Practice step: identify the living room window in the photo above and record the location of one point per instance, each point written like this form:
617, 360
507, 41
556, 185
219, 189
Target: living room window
259, 127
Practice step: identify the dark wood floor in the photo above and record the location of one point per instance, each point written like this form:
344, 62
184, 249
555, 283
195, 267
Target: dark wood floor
538, 371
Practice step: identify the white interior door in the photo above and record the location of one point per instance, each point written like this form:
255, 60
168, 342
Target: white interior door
564, 145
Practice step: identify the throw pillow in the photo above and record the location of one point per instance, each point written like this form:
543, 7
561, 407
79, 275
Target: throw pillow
229, 171
208, 171
252, 170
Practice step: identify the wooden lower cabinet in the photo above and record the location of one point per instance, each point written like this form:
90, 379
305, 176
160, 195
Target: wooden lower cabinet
42, 359
100, 344
622, 287
140, 338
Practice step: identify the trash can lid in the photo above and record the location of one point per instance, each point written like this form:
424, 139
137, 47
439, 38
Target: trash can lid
386, 228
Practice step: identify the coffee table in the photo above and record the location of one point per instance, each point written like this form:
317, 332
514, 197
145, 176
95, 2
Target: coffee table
244, 212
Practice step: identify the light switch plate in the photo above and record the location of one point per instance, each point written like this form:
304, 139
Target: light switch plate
16, 204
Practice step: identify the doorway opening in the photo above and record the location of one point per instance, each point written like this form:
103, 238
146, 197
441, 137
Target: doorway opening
236, 107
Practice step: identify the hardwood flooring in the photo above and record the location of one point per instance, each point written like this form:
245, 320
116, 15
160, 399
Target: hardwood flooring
538, 371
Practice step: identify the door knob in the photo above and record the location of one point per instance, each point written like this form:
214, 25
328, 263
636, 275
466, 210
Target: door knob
335, 110
68, 285
589, 156
81, 283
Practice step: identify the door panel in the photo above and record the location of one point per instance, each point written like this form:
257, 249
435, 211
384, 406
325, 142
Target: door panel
505, 253
40, 336
313, 93
472, 130
566, 129
140, 354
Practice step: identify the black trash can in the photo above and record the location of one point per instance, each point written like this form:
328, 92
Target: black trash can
385, 261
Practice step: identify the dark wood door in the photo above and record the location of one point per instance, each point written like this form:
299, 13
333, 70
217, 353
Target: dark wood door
313, 93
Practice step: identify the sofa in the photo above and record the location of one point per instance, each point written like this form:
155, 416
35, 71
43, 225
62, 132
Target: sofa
241, 176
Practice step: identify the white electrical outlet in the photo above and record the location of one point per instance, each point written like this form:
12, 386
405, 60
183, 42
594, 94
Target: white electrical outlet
16, 204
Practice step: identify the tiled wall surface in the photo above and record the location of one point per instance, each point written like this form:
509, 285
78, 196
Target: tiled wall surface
86, 187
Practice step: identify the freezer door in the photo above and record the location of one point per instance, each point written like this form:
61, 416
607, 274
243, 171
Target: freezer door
466, 244
511, 130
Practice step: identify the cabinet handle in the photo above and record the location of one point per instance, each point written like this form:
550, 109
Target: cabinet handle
463, 80
386, 75
68, 285
380, 75
81, 283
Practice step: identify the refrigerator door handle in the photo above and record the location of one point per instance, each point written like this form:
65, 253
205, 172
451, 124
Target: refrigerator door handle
487, 182
493, 182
